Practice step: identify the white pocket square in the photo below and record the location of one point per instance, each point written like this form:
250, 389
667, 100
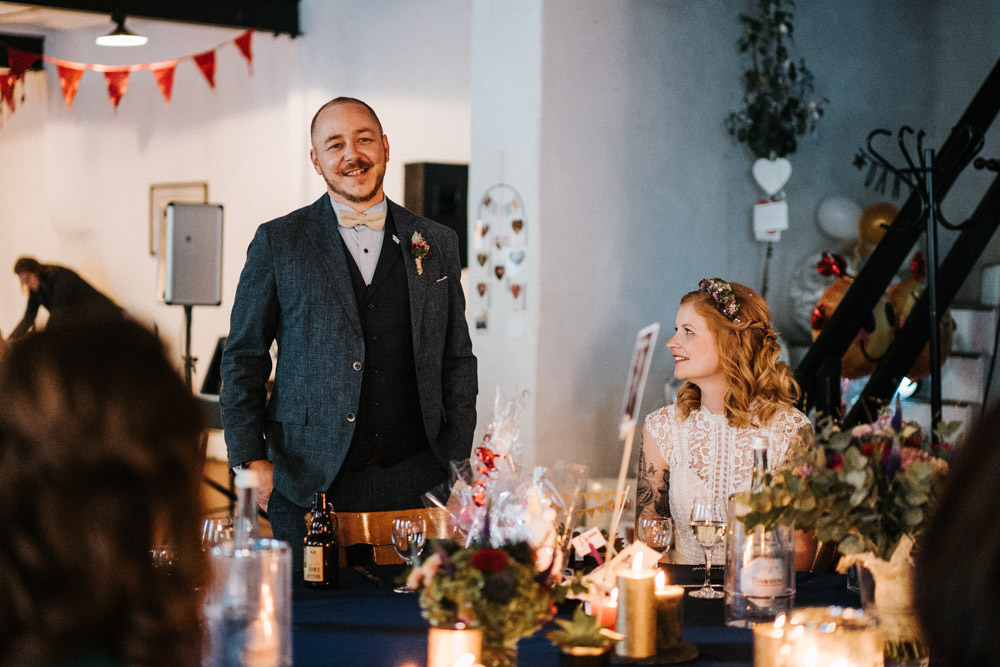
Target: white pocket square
441, 278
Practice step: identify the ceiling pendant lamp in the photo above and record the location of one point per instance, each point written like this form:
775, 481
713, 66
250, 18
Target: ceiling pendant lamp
121, 36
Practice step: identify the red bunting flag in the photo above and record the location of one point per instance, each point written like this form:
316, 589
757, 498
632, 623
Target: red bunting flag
69, 81
164, 73
7, 82
117, 84
206, 63
243, 44
20, 61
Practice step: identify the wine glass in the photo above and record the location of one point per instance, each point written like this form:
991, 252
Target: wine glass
215, 531
407, 540
708, 523
656, 532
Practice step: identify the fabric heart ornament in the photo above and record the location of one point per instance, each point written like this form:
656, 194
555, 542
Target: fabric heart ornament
516, 256
771, 175
481, 258
481, 288
499, 271
517, 226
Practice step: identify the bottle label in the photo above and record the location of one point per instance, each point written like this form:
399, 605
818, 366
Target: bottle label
763, 578
314, 563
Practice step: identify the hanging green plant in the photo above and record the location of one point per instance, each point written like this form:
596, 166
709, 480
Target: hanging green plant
778, 100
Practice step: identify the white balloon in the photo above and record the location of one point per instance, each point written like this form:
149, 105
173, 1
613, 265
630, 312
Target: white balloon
838, 217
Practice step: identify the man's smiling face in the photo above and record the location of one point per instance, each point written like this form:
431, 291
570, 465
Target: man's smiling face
350, 153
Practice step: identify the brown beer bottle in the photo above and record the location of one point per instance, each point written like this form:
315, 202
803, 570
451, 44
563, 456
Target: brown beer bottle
321, 553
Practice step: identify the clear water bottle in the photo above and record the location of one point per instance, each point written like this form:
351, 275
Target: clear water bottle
239, 635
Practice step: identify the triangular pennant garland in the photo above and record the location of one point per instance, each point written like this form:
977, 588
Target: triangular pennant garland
20, 61
69, 81
243, 44
164, 73
7, 82
117, 84
206, 63
116, 77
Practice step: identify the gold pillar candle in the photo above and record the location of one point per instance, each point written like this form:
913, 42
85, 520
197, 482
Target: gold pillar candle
669, 614
636, 611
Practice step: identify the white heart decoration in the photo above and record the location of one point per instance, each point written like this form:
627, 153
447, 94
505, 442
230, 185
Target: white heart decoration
771, 175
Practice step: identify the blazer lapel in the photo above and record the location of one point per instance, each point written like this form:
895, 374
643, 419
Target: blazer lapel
323, 232
405, 223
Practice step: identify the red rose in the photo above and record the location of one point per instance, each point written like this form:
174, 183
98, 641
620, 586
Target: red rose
488, 561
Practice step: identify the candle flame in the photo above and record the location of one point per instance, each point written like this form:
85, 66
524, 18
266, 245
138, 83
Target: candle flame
637, 561
614, 594
661, 579
465, 660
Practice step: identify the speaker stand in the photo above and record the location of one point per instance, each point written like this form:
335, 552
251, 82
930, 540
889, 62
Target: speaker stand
188, 359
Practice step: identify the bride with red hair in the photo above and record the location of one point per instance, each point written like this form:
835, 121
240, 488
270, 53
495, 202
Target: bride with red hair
735, 388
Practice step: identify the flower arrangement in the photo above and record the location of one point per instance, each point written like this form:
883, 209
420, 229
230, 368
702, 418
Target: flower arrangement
863, 489
777, 100
500, 590
419, 248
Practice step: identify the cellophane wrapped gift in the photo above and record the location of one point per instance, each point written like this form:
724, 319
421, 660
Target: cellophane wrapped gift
495, 499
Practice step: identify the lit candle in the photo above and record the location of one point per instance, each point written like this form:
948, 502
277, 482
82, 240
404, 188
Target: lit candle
669, 613
767, 639
605, 608
637, 611
447, 647
819, 637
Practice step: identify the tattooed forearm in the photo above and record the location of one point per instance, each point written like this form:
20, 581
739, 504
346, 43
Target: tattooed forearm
662, 505
643, 486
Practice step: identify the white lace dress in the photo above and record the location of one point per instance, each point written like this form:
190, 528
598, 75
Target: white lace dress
708, 456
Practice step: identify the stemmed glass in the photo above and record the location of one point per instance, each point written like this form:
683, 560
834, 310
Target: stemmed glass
216, 530
708, 523
407, 540
656, 532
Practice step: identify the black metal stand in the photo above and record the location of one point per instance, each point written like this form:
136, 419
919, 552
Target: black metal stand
919, 177
189, 361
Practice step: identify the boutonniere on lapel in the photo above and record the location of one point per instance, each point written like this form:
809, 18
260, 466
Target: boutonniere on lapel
420, 249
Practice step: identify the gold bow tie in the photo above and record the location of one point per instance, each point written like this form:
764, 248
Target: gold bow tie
351, 219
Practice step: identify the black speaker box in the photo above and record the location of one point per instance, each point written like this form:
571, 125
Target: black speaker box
191, 255
440, 192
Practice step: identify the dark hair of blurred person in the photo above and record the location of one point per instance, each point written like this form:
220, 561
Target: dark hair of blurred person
100, 461
957, 582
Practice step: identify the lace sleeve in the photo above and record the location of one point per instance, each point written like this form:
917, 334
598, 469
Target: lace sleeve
653, 474
791, 435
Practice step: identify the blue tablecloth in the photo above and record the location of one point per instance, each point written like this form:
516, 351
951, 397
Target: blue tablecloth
362, 624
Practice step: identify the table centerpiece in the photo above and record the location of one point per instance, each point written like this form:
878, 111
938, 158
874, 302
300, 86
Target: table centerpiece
870, 490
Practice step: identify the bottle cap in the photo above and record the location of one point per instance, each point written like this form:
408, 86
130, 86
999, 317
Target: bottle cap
245, 477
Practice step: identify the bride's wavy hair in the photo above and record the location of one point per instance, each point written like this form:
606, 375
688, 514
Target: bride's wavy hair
748, 353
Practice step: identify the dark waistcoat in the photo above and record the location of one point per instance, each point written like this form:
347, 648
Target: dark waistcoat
389, 425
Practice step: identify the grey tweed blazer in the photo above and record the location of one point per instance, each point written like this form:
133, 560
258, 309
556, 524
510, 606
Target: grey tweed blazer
296, 288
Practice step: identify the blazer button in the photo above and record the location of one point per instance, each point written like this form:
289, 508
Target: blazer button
356, 365
351, 416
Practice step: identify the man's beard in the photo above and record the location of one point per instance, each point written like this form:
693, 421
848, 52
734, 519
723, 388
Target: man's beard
356, 198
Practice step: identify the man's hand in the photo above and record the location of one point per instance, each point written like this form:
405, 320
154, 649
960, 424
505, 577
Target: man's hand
265, 477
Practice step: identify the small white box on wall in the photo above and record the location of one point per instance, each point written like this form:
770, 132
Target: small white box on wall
770, 218
989, 286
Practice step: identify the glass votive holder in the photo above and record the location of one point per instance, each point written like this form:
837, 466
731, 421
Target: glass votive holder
819, 637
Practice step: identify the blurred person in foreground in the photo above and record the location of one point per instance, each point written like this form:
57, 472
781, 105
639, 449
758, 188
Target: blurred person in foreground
61, 291
957, 580
735, 387
99, 463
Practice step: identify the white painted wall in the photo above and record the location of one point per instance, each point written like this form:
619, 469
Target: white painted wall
607, 115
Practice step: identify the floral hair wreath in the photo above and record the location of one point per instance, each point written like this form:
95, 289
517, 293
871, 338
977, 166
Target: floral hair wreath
722, 293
